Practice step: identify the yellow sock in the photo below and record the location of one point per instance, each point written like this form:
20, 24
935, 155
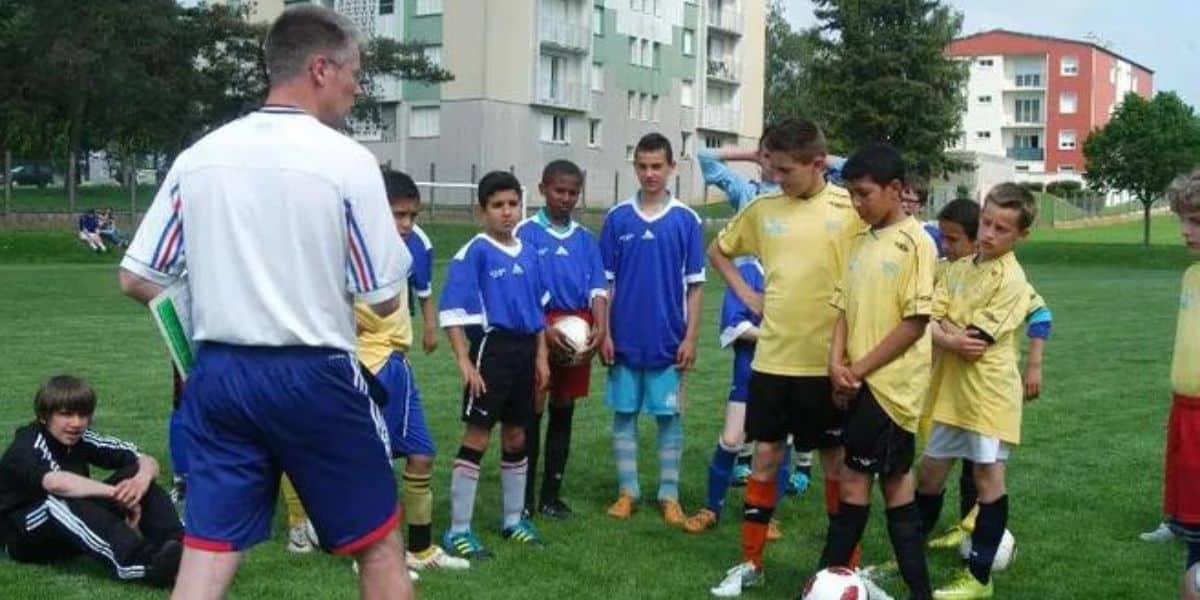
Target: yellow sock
295, 510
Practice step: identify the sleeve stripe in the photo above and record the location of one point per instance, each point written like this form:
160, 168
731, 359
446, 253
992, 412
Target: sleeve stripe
107, 442
363, 270
170, 241
40, 444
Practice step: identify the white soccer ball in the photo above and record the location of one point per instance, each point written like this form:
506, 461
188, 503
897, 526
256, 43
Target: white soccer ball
574, 332
835, 583
1005, 554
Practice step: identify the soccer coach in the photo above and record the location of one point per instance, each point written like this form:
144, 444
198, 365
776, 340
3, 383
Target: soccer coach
280, 222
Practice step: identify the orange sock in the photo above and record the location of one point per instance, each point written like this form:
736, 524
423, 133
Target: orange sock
760, 506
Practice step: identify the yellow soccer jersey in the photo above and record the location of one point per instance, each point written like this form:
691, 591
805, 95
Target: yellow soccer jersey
985, 395
802, 244
379, 336
888, 279
1185, 366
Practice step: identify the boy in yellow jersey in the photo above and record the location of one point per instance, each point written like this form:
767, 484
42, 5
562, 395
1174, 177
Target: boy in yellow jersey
1181, 496
801, 235
879, 362
979, 304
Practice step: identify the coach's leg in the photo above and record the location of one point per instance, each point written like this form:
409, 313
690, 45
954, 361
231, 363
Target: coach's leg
382, 572
205, 575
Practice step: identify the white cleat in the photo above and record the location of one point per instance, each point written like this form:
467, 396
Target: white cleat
740, 577
436, 558
301, 538
1159, 534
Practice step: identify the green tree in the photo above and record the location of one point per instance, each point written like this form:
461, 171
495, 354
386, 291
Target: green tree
1145, 145
880, 73
787, 81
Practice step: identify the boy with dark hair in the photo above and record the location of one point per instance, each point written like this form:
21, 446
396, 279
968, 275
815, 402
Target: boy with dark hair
574, 275
976, 391
51, 509
789, 388
495, 281
652, 246
879, 363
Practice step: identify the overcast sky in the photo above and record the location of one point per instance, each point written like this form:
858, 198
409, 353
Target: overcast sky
1160, 34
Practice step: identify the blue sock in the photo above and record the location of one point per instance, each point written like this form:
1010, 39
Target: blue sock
625, 452
670, 453
720, 472
785, 472
176, 445
1193, 554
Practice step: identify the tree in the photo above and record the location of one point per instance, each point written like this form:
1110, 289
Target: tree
1144, 146
787, 83
880, 73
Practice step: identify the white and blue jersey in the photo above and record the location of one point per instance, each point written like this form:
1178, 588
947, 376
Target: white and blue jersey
736, 319
420, 278
494, 286
570, 259
650, 261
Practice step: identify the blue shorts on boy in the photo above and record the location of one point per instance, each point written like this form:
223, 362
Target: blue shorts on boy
632, 391
736, 319
252, 413
404, 415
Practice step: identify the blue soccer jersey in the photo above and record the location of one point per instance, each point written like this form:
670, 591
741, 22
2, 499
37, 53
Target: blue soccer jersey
570, 259
494, 286
736, 317
650, 261
420, 279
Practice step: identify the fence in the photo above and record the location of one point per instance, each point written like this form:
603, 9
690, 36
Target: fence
1077, 209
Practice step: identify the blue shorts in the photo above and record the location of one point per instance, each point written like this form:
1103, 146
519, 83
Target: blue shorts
739, 388
631, 391
403, 413
252, 413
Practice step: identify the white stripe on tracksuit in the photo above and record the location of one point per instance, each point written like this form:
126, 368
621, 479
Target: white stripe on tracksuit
360, 382
62, 513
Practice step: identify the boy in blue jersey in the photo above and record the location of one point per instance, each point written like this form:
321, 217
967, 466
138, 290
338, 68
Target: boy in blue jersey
405, 201
574, 275
494, 282
653, 251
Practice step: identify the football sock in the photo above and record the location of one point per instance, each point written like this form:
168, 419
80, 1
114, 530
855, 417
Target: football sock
803, 462
291, 500
989, 530
464, 479
930, 508
845, 530
756, 516
968, 496
625, 452
670, 452
558, 447
533, 447
514, 468
418, 509
908, 541
784, 473
720, 471
1193, 554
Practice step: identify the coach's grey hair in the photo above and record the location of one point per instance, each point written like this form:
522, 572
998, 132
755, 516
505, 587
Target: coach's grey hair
302, 31
1184, 193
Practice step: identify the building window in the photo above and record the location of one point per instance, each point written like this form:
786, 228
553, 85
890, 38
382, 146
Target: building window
632, 105
984, 99
712, 142
656, 56
647, 54
1069, 66
687, 93
594, 132
597, 77
983, 135
1028, 80
1028, 110
685, 144
554, 128
689, 42
598, 20
1068, 103
985, 62
658, 8
1066, 139
654, 108
635, 51
425, 121
433, 54
387, 7
644, 106
629, 153
1066, 168
1021, 168
429, 7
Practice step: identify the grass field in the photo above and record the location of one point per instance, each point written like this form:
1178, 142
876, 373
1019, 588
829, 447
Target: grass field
1083, 484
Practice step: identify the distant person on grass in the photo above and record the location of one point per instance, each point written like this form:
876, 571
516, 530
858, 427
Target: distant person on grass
89, 231
281, 223
108, 229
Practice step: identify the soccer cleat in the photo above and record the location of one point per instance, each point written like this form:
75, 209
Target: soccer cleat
701, 521
523, 532
950, 540
1159, 534
622, 508
299, 541
412, 575
672, 513
741, 472
740, 577
464, 544
880, 571
965, 587
434, 557
797, 484
773, 531
556, 509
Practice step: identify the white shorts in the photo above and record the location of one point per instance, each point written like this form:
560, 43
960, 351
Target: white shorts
948, 441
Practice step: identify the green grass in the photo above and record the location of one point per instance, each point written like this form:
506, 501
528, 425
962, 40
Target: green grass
54, 199
1164, 230
1083, 484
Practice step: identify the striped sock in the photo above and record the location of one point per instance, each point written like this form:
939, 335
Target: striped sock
756, 516
625, 451
670, 453
464, 479
720, 471
514, 466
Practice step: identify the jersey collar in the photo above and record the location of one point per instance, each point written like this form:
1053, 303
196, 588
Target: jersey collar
561, 233
512, 251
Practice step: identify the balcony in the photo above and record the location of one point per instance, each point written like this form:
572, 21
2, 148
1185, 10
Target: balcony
1026, 82
558, 94
726, 20
725, 70
1033, 154
565, 35
719, 118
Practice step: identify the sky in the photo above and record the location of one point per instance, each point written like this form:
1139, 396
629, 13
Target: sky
1159, 34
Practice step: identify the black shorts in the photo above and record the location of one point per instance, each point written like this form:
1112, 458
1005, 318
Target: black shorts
506, 362
801, 406
874, 442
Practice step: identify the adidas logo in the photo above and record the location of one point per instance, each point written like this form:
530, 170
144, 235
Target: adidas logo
562, 251
517, 270
543, 251
648, 235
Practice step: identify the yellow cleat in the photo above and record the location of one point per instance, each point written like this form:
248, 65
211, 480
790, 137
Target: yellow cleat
966, 587
622, 508
950, 540
672, 513
968, 522
701, 521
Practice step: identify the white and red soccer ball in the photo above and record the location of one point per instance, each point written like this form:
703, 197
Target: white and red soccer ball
835, 583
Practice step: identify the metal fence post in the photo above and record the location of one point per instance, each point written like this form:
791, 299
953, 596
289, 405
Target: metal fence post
432, 189
616, 187
583, 190
7, 181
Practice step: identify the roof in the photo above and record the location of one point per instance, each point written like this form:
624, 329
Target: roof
1051, 38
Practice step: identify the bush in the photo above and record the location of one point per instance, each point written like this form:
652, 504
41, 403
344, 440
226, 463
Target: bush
1064, 189
1033, 186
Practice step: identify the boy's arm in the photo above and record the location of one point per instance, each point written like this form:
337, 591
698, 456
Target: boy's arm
1032, 376
844, 383
733, 278
894, 344
600, 322
472, 380
70, 485
429, 325
737, 189
129, 492
685, 356
541, 363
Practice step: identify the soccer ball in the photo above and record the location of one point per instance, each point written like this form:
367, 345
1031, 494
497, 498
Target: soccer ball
835, 583
1004, 554
574, 332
